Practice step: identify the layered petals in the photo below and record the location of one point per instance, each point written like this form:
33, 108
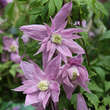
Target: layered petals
74, 74
64, 50
40, 85
75, 48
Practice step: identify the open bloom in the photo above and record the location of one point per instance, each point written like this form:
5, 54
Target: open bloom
56, 38
74, 74
39, 85
11, 46
81, 104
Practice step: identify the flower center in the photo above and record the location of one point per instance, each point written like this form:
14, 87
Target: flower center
43, 85
74, 76
56, 38
73, 73
13, 48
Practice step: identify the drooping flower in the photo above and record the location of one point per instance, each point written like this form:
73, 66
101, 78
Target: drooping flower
74, 74
39, 85
56, 38
11, 46
81, 104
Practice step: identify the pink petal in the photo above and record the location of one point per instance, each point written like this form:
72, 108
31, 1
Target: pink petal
64, 58
76, 60
45, 59
69, 90
55, 91
52, 51
64, 50
62, 27
44, 97
55, 96
15, 57
70, 30
37, 32
62, 15
41, 49
67, 82
31, 90
81, 104
52, 68
83, 78
25, 38
54, 86
31, 99
46, 100
75, 48
49, 44
21, 88
29, 82
7, 42
30, 71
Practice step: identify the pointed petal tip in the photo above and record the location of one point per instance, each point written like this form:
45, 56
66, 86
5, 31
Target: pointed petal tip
21, 28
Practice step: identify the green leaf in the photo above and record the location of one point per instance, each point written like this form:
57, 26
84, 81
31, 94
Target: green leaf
106, 35
107, 85
106, 100
44, 1
63, 102
101, 8
74, 100
93, 99
21, 47
100, 72
51, 7
94, 87
58, 4
36, 11
85, 37
5, 66
102, 108
21, 21
15, 68
9, 10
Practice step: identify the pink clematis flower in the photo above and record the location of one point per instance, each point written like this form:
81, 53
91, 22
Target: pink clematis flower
11, 46
56, 38
74, 74
81, 104
39, 85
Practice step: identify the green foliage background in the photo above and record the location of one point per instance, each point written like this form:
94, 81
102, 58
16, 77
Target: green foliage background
97, 58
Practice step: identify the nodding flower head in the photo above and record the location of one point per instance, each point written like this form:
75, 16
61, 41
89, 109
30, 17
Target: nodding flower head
43, 85
13, 48
57, 38
73, 73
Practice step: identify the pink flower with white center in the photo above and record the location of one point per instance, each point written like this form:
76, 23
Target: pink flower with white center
39, 85
56, 38
74, 74
11, 46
